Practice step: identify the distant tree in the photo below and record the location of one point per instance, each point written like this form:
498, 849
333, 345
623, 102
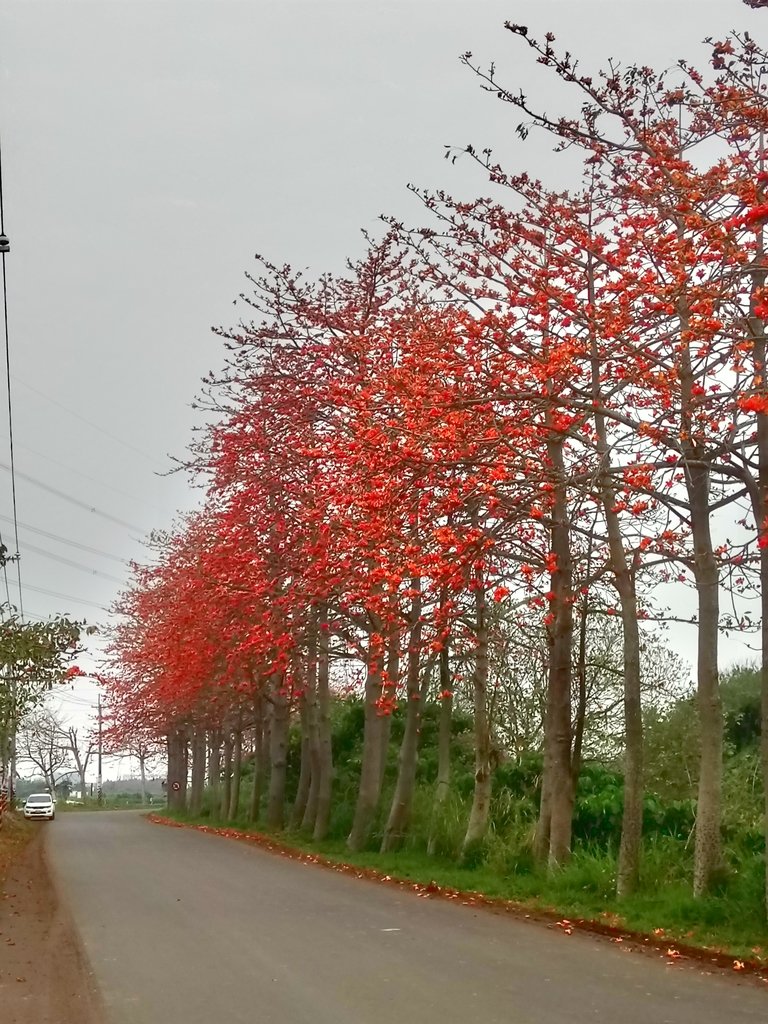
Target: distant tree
146, 751
40, 742
64, 787
82, 747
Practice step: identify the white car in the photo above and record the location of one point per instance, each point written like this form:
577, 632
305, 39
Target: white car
40, 805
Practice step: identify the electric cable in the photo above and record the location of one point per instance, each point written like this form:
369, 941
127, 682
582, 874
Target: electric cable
93, 479
66, 540
90, 423
74, 501
75, 565
4, 250
66, 597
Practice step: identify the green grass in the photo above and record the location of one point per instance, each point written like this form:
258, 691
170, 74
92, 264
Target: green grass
731, 921
110, 804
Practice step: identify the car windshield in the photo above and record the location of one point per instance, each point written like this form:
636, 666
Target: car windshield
40, 798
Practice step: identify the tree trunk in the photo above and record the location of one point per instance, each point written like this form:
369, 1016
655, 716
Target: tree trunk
556, 813
389, 696
177, 769
325, 747
443, 785
305, 768
628, 872
541, 837
226, 780
386, 733
402, 800
759, 498
254, 803
628, 875
370, 773
580, 717
14, 754
708, 858
481, 798
237, 770
198, 772
214, 768
266, 745
5, 757
278, 758
306, 821
142, 759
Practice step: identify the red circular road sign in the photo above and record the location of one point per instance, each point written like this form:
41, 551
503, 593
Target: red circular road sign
176, 785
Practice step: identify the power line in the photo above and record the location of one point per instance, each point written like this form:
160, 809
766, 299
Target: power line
4, 250
75, 565
70, 698
65, 540
95, 426
74, 501
93, 479
66, 597
37, 615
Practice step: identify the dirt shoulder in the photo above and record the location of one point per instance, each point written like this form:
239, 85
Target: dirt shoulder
44, 978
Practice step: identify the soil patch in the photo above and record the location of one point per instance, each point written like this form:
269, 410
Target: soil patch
44, 978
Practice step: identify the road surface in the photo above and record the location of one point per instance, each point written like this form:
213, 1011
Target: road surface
186, 928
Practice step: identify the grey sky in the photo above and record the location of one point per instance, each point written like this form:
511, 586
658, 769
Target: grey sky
150, 148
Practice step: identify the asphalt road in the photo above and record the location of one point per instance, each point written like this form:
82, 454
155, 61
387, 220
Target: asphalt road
185, 928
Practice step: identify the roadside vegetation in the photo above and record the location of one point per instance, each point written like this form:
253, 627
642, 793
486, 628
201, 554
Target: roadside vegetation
34, 657
15, 833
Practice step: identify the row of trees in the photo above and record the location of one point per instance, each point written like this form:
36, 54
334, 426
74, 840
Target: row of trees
542, 411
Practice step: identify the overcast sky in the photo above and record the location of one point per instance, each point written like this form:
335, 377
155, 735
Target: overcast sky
151, 148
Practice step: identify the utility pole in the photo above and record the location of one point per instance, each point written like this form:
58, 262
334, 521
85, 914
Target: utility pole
99, 794
14, 741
